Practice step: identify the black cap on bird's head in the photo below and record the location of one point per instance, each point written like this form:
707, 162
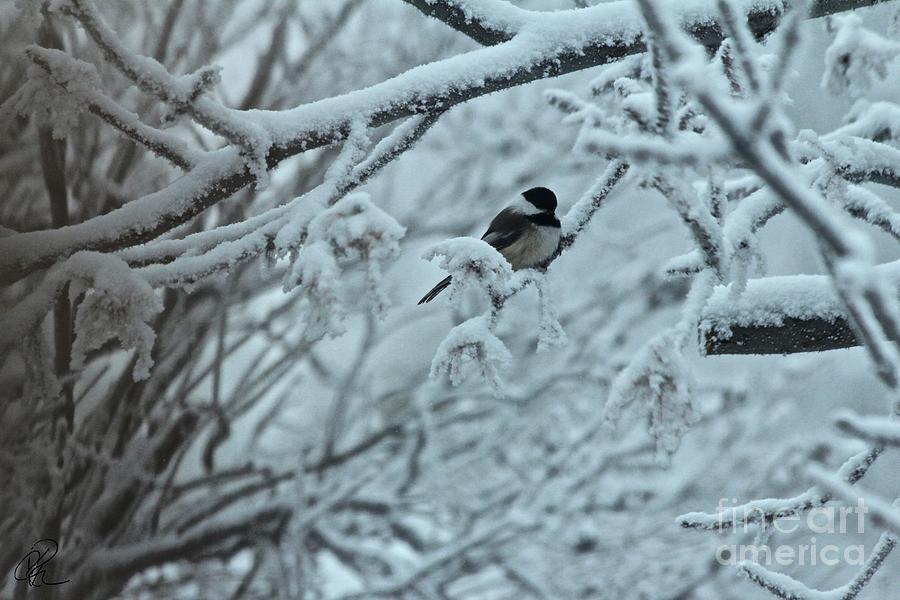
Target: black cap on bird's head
542, 198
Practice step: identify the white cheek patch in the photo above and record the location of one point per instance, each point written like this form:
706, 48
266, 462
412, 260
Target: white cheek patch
523, 206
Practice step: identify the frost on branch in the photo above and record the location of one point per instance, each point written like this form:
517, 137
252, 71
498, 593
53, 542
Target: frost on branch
353, 230
56, 96
471, 345
472, 263
855, 55
117, 305
657, 382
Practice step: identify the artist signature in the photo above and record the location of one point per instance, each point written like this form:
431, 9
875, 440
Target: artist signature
31, 567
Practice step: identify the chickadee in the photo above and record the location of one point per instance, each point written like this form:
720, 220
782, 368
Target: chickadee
526, 233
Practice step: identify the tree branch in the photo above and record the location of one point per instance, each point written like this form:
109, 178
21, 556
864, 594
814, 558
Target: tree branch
586, 38
790, 337
769, 510
461, 17
107, 566
161, 143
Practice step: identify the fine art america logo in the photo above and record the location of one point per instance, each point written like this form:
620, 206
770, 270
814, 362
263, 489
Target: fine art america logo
820, 520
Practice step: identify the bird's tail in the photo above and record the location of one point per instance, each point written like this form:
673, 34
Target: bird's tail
445, 282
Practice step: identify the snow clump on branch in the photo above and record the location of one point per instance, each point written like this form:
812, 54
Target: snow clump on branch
472, 343
353, 230
657, 380
58, 94
472, 263
855, 55
118, 304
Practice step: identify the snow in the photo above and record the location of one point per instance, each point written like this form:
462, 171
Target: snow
118, 304
783, 585
493, 14
540, 36
577, 217
869, 120
855, 56
657, 381
292, 229
185, 93
254, 131
206, 253
545, 438
357, 230
850, 152
627, 67
768, 301
352, 230
353, 151
568, 102
138, 216
56, 97
882, 429
883, 512
471, 263
550, 332
689, 150
472, 345
754, 511
684, 264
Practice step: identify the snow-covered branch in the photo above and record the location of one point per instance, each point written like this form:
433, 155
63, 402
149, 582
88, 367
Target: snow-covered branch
187, 94
488, 22
854, 301
579, 216
779, 315
878, 430
761, 512
883, 513
553, 45
65, 72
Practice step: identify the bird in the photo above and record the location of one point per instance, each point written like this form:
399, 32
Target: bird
526, 233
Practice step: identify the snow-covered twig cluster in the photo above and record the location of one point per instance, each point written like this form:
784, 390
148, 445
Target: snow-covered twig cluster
751, 132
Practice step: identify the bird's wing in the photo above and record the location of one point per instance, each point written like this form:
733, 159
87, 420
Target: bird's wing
506, 228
